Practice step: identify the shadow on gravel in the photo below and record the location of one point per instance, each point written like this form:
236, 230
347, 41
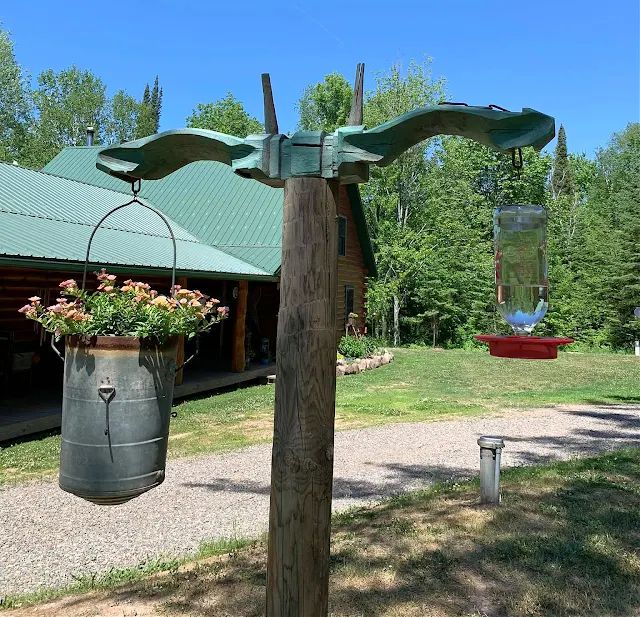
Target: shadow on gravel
393, 479
564, 543
622, 430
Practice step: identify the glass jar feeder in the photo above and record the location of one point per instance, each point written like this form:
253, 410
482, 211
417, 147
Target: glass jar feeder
520, 243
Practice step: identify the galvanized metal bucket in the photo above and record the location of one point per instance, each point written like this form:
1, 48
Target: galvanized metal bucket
116, 409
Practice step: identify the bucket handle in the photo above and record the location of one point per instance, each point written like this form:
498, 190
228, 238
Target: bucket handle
192, 356
135, 200
55, 349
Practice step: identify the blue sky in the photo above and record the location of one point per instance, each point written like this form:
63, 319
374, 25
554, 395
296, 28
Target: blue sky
576, 60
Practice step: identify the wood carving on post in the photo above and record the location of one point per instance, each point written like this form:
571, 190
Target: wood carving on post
311, 165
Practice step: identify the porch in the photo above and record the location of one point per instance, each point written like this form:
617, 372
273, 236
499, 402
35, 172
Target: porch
41, 410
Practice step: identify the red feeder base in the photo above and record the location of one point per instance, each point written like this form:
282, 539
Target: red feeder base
527, 347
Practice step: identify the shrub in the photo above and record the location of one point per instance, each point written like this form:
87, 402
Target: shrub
357, 346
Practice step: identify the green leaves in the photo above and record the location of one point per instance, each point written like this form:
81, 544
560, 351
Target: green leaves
325, 106
15, 111
226, 115
133, 309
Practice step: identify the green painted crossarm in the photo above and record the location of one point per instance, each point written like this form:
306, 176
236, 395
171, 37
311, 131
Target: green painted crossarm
344, 155
156, 156
501, 130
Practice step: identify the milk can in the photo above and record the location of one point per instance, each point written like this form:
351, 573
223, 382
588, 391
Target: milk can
116, 408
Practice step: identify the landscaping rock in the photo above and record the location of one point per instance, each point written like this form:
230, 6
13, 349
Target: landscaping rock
345, 367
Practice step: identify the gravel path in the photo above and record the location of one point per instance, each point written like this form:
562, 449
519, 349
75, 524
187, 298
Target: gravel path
47, 536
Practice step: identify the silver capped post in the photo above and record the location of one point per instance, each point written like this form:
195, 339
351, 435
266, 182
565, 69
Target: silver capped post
490, 452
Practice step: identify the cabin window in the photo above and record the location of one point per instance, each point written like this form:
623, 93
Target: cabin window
342, 236
348, 302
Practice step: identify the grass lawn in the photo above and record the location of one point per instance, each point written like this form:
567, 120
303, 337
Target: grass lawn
420, 385
565, 543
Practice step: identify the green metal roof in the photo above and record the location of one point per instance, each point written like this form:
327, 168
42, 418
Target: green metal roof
48, 217
220, 208
240, 217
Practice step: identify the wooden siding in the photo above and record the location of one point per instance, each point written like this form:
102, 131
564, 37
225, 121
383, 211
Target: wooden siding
351, 269
17, 284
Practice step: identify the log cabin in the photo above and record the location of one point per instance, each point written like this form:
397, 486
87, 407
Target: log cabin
228, 237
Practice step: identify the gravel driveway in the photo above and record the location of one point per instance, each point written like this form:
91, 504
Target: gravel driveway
47, 536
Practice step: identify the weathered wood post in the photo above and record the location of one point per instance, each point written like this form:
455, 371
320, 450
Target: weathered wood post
302, 460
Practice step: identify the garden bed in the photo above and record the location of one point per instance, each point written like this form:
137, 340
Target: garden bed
349, 366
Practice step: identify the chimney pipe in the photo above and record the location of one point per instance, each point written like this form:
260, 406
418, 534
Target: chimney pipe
90, 134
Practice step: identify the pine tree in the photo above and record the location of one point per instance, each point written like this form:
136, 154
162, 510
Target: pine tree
562, 178
146, 124
156, 104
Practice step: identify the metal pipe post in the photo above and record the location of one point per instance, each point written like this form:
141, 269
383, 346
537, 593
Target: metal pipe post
490, 452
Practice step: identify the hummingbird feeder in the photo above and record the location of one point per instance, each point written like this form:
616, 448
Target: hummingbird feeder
520, 243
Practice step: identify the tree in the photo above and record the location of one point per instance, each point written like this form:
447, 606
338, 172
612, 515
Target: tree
15, 110
395, 194
617, 191
561, 178
156, 104
122, 122
66, 103
325, 106
226, 115
147, 120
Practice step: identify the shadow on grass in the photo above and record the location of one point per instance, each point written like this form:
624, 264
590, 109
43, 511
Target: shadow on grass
565, 543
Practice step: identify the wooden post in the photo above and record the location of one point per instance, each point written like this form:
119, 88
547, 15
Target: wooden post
302, 459
239, 327
183, 282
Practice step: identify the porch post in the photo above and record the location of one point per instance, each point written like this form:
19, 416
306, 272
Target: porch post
239, 328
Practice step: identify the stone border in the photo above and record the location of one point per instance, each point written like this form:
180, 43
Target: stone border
363, 364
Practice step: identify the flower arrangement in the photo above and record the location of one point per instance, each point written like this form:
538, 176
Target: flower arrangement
132, 309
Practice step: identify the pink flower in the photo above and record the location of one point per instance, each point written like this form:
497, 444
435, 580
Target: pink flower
25, 309
102, 275
111, 277
108, 288
68, 284
34, 299
223, 311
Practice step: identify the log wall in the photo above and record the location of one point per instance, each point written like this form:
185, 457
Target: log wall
351, 269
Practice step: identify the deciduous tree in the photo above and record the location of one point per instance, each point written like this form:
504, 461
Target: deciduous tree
226, 115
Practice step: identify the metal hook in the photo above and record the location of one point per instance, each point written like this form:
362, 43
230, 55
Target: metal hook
518, 162
492, 106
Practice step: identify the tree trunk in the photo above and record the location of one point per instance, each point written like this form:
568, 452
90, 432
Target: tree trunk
302, 459
396, 321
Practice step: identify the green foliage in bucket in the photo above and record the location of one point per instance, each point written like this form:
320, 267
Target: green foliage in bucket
131, 309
